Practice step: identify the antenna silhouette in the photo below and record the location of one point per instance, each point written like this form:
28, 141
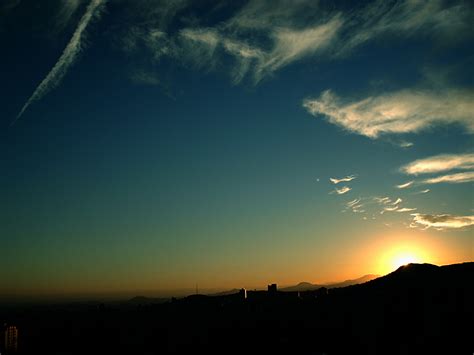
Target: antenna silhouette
197, 290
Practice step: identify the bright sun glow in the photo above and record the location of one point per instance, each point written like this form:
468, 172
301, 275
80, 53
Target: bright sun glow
403, 254
403, 259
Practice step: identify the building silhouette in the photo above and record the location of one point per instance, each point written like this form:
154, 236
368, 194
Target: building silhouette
11, 339
272, 288
243, 294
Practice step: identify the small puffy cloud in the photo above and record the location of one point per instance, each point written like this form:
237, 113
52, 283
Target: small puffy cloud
405, 185
344, 179
452, 178
440, 163
442, 221
405, 111
342, 190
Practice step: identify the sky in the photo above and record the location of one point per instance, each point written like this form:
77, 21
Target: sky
152, 146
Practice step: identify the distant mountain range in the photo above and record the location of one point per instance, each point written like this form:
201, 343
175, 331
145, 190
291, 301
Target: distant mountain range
302, 286
307, 286
411, 276
137, 300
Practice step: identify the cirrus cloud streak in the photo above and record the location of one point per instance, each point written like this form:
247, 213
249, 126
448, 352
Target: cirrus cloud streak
452, 178
66, 59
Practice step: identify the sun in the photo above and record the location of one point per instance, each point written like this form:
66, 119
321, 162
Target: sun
404, 258
401, 254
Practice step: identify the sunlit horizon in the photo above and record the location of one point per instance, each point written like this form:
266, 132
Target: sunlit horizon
156, 145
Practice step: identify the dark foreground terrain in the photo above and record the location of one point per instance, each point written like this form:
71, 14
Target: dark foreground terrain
418, 309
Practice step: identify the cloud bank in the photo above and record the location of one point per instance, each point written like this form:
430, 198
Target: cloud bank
263, 36
442, 221
405, 111
67, 58
440, 163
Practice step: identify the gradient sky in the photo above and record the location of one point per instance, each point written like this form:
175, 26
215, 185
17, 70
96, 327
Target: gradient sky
153, 145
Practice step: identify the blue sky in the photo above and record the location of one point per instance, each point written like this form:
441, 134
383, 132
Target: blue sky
151, 145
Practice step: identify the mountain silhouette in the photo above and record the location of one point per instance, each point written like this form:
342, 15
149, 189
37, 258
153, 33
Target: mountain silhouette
416, 309
422, 277
307, 286
142, 300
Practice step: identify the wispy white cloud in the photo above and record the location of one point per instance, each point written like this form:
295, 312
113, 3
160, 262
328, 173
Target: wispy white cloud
425, 191
397, 201
442, 221
144, 78
264, 15
355, 206
406, 144
343, 32
352, 203
264, 36
405, 209
66, 11
405, 185
452, 178
67, 58
344, 179
207, 43
382, 200
199, 45
405, 18
440, 163
405, 111
208, 36
389, 209
391, 206
288, 45
292, 44
342, 190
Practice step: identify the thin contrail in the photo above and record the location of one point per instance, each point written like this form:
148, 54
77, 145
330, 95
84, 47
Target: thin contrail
67, 58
